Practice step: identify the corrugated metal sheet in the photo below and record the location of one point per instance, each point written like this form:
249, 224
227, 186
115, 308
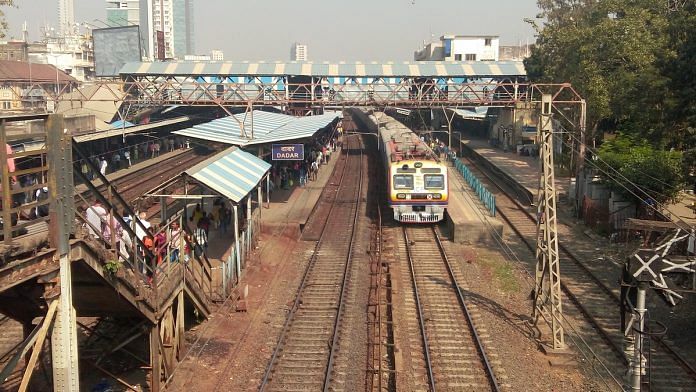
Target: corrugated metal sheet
233, 173
478, 113
128, 130
471, 69
268, 127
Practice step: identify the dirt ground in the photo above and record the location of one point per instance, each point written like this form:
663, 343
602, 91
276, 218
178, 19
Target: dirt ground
234, 347
500, 293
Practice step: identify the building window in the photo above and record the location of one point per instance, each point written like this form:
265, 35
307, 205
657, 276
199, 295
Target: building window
489, 41
458, 57
6, 105
470, 57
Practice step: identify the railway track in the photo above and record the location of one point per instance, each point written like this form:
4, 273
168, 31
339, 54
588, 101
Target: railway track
454, 355
594, 292
308, 347
132, 184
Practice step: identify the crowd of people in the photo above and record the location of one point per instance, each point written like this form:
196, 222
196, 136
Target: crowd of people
285, 174
124, 157
158, 243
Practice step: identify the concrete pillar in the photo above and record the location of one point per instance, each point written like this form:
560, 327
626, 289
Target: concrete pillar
249, 222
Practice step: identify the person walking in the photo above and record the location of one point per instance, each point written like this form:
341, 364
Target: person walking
116, 160
127, 156
102, 166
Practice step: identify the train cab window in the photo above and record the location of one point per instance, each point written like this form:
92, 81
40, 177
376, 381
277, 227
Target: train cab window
403, 181
434, 181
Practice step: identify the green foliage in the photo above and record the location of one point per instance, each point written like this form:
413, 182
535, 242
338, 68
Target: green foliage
656, 171
3, 22
111, 267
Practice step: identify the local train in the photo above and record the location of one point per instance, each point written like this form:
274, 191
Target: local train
417, 182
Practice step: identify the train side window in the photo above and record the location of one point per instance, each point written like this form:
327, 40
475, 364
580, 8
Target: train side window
403, 181
434, 181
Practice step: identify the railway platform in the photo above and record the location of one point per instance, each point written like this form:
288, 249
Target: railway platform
468, 220
293, 207
522, 172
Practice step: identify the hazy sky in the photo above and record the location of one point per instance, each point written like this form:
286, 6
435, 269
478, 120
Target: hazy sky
334, 30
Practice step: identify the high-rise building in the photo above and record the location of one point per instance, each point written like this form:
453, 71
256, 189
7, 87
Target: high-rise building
217, 55
66, 17
173, 18
122, 12
182, 27
298, 52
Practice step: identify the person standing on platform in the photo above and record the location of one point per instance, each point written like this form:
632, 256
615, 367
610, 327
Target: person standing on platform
84, 169
323, 154
314, 170
95, 216
102, 166
116, 160
157, 148
127, 157
152, 150
175, 242
303, 175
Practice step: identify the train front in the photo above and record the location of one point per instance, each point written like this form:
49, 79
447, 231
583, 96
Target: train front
418, 191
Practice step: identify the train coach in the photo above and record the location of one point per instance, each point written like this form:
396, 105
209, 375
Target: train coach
417, 183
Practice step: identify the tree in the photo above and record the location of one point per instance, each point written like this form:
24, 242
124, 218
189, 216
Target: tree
3, 22
635, 167
609, 51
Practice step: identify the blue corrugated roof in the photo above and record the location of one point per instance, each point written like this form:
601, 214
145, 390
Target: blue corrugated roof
268, 128
470, 69
233, 173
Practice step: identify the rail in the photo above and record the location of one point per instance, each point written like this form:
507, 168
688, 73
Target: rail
305, 283
570, 256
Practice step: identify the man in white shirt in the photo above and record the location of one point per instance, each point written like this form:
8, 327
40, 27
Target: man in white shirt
139, 232
102, 166
95, 216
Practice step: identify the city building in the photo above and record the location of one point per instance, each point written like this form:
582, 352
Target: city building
514, 52
171, 20
66, 17
196, 57
217, 55
18, 92
123, 12
460, 48
298, 52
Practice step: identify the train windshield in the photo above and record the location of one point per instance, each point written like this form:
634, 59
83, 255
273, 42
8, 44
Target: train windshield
403, 181
434, 181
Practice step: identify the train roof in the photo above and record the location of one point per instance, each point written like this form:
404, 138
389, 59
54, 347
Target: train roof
401, 143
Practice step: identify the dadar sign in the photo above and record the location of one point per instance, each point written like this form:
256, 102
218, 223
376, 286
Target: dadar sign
288, 152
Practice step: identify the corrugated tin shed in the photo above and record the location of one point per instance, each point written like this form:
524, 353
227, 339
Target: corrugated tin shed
113, 131
233, 173
268, 128
341, 69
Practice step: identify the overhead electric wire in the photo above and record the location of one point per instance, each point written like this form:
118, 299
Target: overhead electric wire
509, 255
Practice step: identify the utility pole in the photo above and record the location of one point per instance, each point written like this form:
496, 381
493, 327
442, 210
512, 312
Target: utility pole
547, 292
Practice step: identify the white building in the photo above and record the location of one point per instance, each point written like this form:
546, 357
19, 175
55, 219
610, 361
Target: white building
298, 52
217, 55
196, 57
461, 48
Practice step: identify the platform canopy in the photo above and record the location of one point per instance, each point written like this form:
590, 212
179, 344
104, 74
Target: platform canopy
474, 113
267, 128
233, 173
386, 69
118, 130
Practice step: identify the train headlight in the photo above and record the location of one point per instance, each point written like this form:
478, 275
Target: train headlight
401, 196
437, 196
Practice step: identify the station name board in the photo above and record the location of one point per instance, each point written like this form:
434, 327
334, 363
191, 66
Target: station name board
288, 152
